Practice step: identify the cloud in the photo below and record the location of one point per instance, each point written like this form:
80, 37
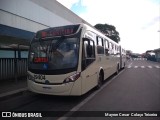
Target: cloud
137, 21
78, 8
152, 22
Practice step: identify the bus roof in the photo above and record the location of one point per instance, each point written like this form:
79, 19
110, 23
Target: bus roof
69, 30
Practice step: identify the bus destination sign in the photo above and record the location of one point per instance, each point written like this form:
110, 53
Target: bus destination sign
40, 60
57, 31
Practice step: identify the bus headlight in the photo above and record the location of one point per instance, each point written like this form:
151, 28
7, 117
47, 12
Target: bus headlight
72, 78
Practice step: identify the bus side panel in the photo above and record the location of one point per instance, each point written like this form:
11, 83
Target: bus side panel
77, 88
89, 78
106, 65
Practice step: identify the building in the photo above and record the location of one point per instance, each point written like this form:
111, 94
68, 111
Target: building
19, 20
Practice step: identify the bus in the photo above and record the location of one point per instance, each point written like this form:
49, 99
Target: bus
71, 60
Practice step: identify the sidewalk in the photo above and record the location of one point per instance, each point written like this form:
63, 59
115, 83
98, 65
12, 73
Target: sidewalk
9, 88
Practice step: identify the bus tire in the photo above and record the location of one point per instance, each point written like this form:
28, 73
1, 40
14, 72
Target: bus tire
100, 81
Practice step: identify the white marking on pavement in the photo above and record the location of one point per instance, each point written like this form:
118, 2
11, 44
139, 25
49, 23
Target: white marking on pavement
135, 66
129, 66
139, 59
157, 66
149, 66
77, 107
13, 92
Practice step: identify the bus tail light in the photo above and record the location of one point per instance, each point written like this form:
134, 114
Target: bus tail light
72, 78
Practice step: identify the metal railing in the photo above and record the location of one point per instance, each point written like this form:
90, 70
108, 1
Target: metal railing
12, 68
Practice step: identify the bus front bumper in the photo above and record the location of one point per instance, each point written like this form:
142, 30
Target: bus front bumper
62, 89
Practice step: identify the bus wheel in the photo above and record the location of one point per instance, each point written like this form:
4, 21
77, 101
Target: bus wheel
100, 80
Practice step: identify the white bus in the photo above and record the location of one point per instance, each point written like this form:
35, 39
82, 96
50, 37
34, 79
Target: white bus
71, 60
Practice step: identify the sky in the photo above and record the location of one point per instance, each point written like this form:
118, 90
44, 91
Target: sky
137, 21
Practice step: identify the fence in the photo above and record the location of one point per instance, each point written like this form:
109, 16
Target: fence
12, 68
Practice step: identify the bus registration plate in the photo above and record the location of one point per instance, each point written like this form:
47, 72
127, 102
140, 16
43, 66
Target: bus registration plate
39, 77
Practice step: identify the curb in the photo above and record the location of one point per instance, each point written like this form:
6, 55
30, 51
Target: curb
14, 93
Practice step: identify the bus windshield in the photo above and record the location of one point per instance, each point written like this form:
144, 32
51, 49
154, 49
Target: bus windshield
54, 54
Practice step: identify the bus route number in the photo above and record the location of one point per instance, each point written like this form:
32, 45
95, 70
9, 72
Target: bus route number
40, 77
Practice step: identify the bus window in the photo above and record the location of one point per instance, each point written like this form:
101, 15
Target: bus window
56, 53
88, 53
100, 47
99, 41
115, 49
106, 47
110, 48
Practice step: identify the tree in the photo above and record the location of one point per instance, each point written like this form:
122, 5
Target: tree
109, 31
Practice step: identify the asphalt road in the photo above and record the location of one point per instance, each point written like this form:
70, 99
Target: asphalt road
137, 88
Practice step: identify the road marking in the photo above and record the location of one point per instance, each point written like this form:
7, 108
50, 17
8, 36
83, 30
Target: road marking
157, 66
129, 66
135, 66
13, 92
139, 59
77, 107
149, 66
142, 67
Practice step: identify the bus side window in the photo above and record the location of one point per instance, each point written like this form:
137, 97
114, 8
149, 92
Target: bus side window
110, 48
100, 45
88, 52
106, 47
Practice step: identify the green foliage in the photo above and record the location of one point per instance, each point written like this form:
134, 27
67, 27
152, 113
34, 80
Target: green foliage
109, 30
